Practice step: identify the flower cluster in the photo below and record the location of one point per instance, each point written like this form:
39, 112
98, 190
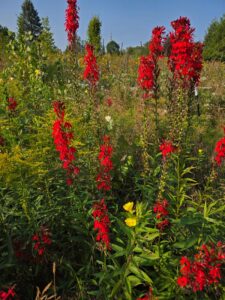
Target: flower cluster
41, 240
91, 73
109, 102
104, 178
205, 270
155, 45
220, 151
148, 71
101, 223
160, 209
63, 135
72, 21
145, 73
7, 295
166, 148
12, 104
131, 221
185, 59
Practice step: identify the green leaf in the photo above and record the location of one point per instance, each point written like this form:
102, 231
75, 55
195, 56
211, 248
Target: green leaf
186, 243
189, 220
134, 280
140, 274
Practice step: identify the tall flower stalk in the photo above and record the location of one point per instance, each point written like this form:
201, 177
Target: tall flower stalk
148, 73
63, 136
185, 64
72, 22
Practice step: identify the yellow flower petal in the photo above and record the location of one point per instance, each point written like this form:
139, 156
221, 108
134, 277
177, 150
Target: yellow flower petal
131, 222
128, 206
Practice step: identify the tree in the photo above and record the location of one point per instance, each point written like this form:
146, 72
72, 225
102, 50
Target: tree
46, 38
29, 21
113, 48
138, 50
214, 43
5, 37
94, 33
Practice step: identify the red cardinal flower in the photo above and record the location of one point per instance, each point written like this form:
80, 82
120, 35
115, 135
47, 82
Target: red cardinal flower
72, 21
12, 104
7, 295
185, 59
91, 73
145, 73
155, 44
41, 240
204, 270
148, 70
63, 136
160, 209
220, 151
104, 178
101, 223
166, 148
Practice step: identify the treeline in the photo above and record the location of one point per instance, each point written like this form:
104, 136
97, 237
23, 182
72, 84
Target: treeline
29, 23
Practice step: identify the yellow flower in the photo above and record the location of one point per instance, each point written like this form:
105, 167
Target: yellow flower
128, 206
37, 72
131, 222
200, 151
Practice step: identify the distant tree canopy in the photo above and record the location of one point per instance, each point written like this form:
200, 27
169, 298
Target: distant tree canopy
29, 21
94, 33
5, 37
113, 48
46, 38
214, 42
138, 50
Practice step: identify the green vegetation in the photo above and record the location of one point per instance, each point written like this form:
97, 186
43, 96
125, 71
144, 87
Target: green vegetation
165, 195
94, 33
215, 41
29, 21
113, 48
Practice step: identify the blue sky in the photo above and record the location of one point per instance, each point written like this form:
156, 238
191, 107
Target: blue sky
128, 21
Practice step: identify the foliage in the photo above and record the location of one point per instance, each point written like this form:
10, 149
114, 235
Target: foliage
215, 41
149, 190
94, 33
5, 38
29, 21
113, 48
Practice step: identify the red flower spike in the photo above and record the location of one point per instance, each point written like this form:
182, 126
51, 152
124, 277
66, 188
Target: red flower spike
109, 102
63, 136
7, 295
155, 45
104, 178
72, 21
12, 104
91, 73
204, 270
42, 240
185, 60
220, 151
101, 223
166, 148
147, 75
160, 209
182, 281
